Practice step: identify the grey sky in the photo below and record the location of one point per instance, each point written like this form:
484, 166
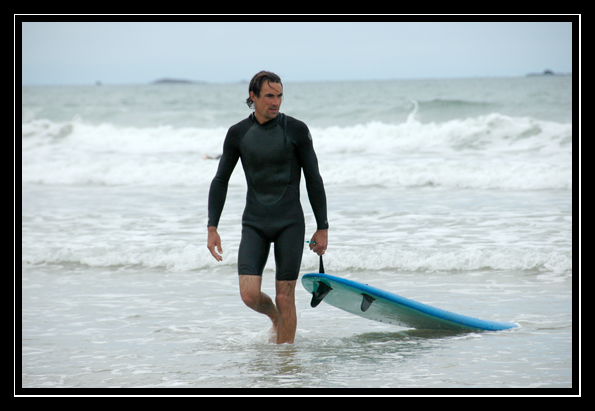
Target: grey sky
138, 52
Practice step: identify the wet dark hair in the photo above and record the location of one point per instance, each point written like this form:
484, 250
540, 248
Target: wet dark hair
257, 81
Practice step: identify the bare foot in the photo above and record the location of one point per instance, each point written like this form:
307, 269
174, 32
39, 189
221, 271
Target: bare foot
273, 333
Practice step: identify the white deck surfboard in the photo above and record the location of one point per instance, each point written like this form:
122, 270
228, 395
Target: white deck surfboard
379, 305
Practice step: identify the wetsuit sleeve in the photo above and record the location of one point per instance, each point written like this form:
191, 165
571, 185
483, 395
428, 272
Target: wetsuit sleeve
218, 190
314, 184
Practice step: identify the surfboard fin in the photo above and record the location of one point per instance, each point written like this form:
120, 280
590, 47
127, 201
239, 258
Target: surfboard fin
320, 293
366, 302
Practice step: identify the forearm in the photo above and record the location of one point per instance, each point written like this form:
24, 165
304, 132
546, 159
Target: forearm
217, 196
317, 197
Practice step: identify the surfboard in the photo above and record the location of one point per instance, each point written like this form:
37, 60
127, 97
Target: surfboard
380, 305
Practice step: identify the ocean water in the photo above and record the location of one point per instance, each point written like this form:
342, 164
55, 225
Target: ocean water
453, 192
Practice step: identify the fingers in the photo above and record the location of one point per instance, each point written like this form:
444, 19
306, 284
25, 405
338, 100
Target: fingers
318, 249
214, 253
218, 257
214, 243
319, 242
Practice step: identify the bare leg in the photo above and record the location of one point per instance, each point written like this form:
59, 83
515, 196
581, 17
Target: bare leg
257, 300
286, 308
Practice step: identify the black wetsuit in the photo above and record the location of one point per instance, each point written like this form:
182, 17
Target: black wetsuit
273, 155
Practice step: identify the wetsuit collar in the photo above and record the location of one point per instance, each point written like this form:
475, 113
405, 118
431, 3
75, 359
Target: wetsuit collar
268, 124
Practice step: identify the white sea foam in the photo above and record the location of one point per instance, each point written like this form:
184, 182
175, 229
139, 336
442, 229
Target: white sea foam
491, 152
383, 257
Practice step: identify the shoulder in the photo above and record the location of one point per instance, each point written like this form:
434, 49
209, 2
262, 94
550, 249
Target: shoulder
237, 131
297, 128
295, 123
241, 127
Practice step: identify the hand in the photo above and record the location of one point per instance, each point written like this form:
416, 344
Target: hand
213, 241
319, 241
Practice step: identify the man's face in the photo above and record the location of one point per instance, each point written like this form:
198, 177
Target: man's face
266, 107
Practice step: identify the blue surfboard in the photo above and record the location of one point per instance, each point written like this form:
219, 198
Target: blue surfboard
379, 305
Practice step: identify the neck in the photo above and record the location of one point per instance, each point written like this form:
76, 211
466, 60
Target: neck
262, 120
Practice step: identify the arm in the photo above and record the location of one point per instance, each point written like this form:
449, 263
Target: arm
314, 183
316, 191
218, 192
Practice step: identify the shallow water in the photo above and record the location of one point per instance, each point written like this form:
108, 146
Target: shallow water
112, 320
116, 328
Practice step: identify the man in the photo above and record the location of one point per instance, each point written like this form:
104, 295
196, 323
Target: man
274, 149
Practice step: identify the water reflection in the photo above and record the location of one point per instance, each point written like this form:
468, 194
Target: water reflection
375, 337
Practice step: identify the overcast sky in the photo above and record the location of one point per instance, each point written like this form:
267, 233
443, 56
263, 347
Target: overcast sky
138, 52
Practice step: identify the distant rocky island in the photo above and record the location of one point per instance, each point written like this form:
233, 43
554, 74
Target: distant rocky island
168, 80
548, 73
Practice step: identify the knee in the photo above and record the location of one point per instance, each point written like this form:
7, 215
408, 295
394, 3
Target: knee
285, 301
249, 298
